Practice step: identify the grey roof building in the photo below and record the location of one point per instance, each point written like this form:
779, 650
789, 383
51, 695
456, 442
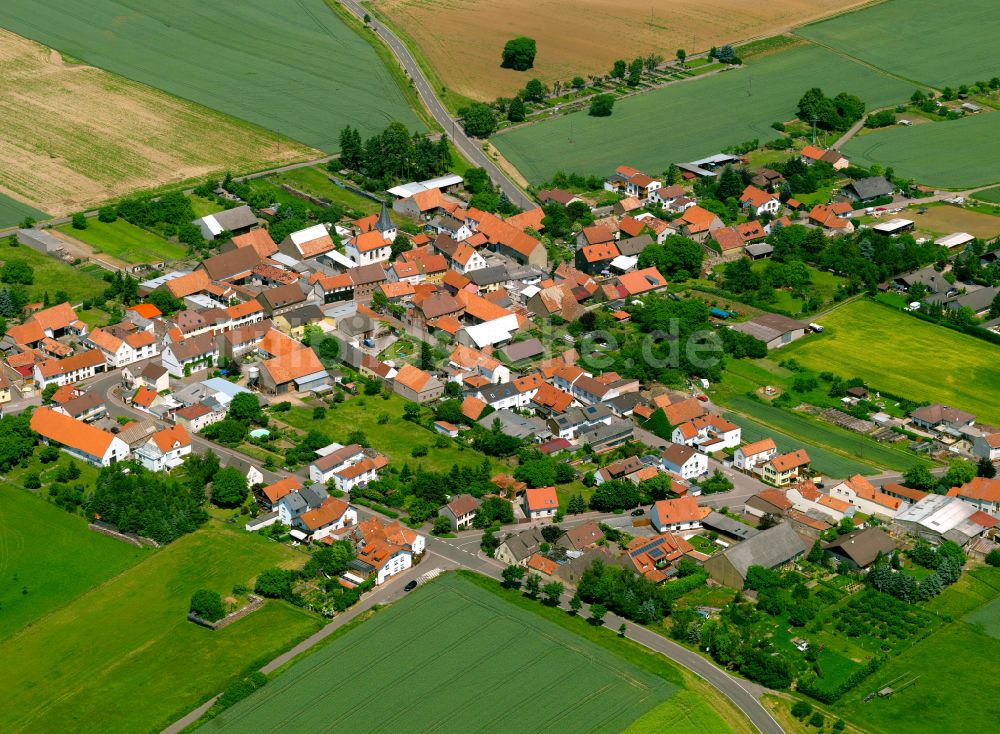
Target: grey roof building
771, 548
527, 349
869, 188
860, 548
517, 549
726, 525
518, 426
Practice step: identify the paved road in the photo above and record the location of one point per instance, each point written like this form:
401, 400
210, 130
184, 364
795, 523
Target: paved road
469, 147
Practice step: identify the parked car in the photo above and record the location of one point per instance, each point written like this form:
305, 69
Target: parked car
410, 586
638, 512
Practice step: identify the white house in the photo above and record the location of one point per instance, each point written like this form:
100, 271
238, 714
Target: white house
119, 352
194, 353
337, 457
759, 201
165, 449
754, 454
70, 369
332, 515
677, 515
467, 259
79, 439
981, 493
540, 503
461, 511
708, 432
368, 248
862, 494
684, 460
987, 446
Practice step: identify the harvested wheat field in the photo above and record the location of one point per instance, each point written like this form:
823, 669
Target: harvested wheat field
73, 135
463, 39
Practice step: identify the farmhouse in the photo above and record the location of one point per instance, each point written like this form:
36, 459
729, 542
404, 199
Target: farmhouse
70, 369
238, 220
773, 329
868, 189
771, 548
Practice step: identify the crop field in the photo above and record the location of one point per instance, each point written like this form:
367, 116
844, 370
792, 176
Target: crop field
578, 37
72, 135
13, 212
124, 655
957, 154
898, 353
41, 571
125, 241
54, 275
940, 699
894, 36
990, 195
691, 119
444, 645
396, 438
948, 218
299, 71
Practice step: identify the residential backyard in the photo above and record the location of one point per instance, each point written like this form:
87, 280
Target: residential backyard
125, 651
52, 275
893, 351
126, 241
395, 437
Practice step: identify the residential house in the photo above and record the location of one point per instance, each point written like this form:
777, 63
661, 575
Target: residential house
460, 511
332, 515
122, 350
234, 266
189, 355
647, 280
282, 299
295, 503
708, 432
259, 239
165, 449
786, 468
807, 499
322, 470
859, 492
941, 418
654, 557
154, 377
677, 515
623, 469
697, 223
70, 369
368, 248
987, 446
515, 550
683, 460
540, 503
81, 440
273, 492
246, 468
768, 502
197, 416
565, 198
759, 202
771, 548
308, 243
85, 407
581, 537
299, 370
835, 218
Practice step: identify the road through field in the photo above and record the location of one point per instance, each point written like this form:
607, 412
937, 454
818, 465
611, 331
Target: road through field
467, 146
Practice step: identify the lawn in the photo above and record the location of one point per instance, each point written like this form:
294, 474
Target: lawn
901, 354
444, 645
692, 119
48, 558
124, 654
125, 241
852, 446
956, 154
824, 283
395, 438
52, 275
316, 181
13, 212
300, 72
894, 36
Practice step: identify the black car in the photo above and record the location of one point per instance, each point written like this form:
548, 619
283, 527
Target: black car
638, 513
410, 586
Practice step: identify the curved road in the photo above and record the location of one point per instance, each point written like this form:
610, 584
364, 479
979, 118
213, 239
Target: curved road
466, 145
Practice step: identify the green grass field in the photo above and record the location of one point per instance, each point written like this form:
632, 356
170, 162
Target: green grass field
941, 699
956, 154
925, 40
396, 438
824, 283
693, 119
13, 212
48, 558
440, 648
990, 195
53, 275
898, 353
315, 180
124, 655
299, 71
126, 241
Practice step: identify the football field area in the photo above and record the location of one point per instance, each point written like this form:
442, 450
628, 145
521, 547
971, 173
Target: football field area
453, 657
